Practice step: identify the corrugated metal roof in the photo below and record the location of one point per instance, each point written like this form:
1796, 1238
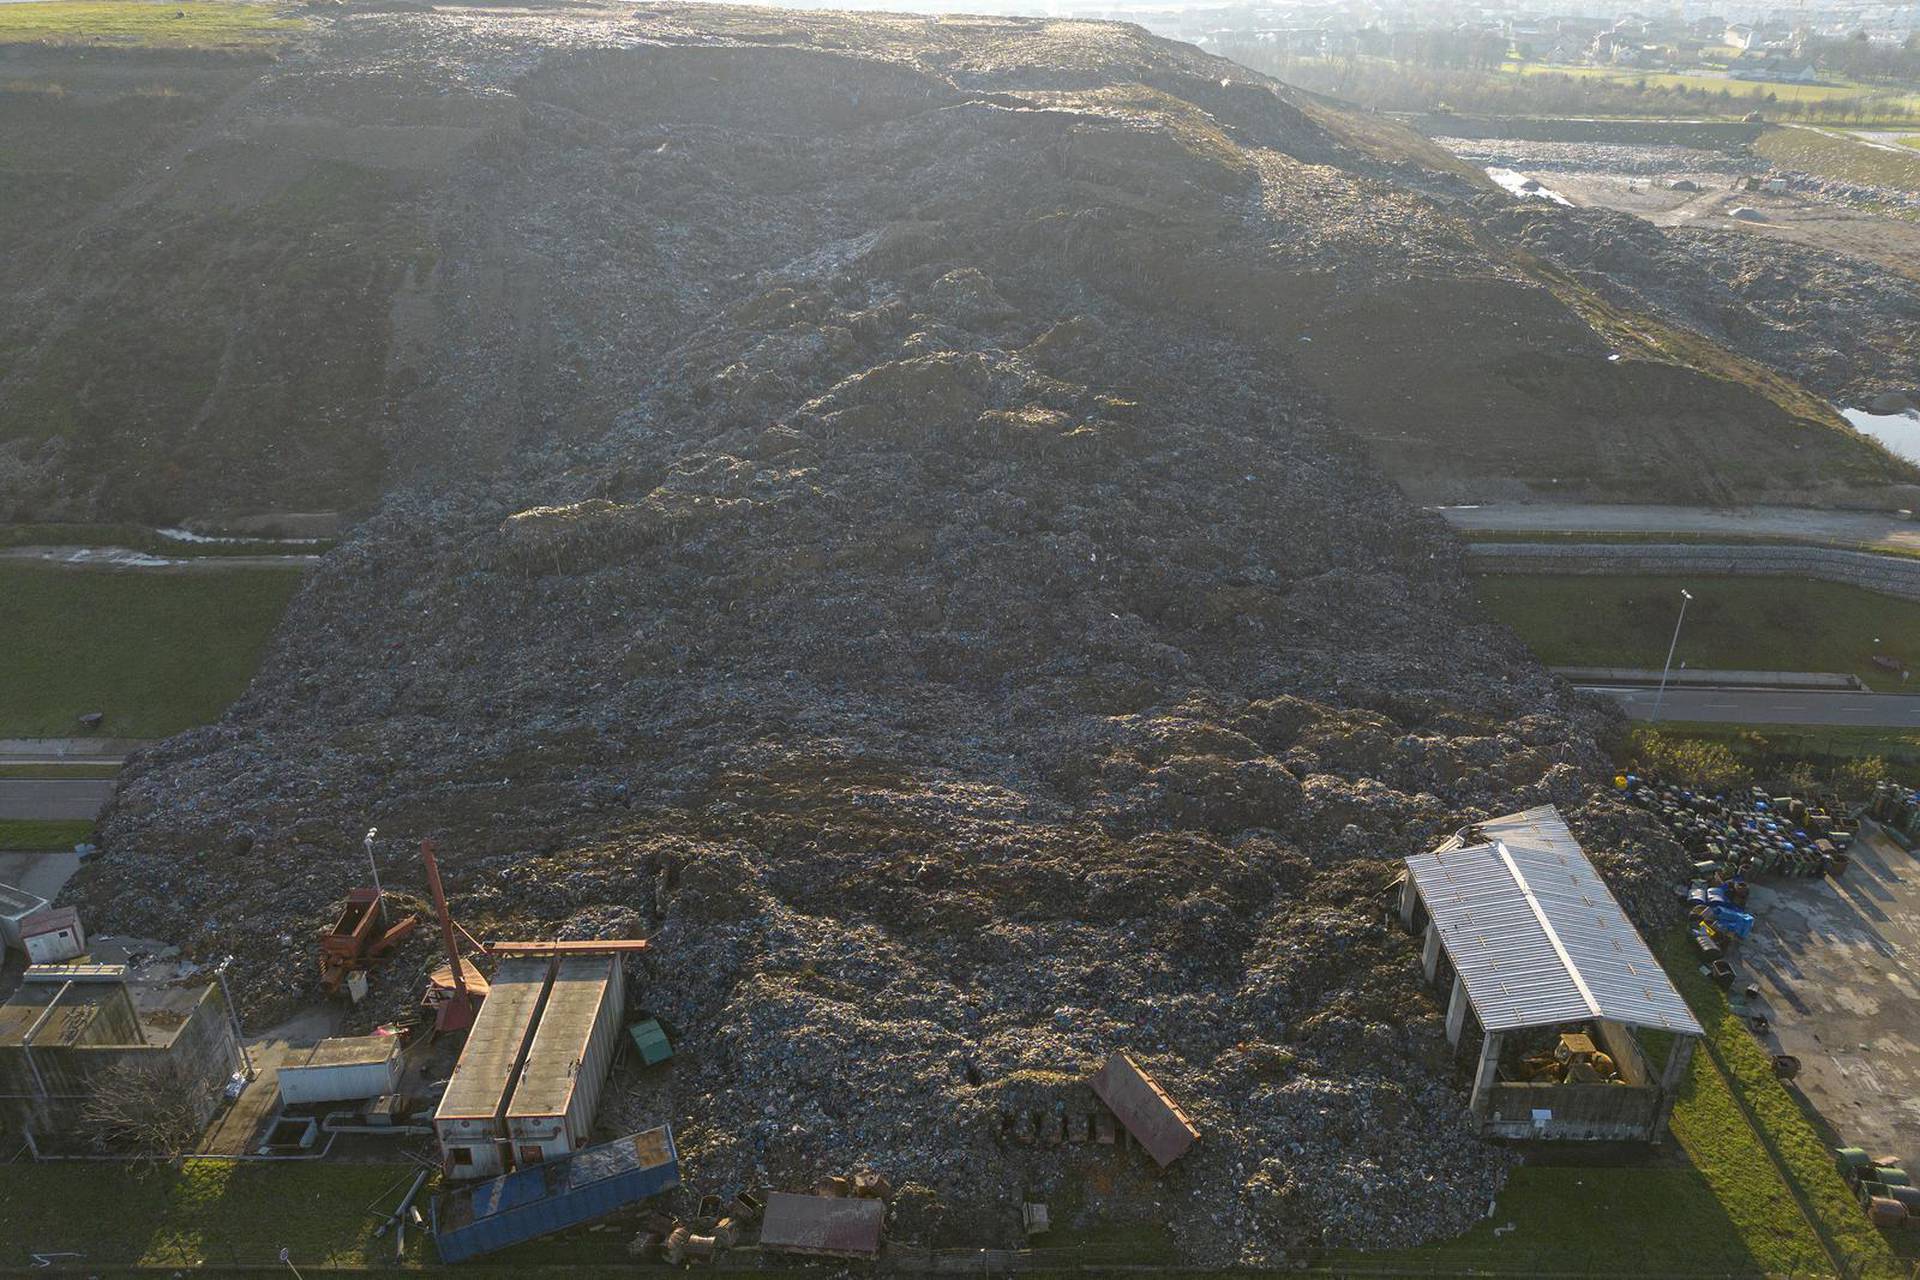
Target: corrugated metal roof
52, 920
1536, 935
1150, 1115
829, 1225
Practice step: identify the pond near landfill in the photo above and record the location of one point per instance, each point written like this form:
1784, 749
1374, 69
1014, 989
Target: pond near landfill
1900, 432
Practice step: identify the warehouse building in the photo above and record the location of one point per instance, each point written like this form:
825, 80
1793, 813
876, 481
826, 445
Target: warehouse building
1537, 950
67, 1026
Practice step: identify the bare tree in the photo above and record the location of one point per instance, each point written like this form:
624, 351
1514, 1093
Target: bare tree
152, 1113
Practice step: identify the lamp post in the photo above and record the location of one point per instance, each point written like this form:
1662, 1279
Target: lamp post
371, 864
1685, 596
233, 1016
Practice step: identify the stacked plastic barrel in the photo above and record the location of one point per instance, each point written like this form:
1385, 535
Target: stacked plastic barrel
1742, 834
1885, 1192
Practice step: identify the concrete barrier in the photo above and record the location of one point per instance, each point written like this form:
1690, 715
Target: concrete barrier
1897, 576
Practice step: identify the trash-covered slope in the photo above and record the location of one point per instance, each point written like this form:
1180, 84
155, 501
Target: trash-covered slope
857, 528
314, 275
1845, 327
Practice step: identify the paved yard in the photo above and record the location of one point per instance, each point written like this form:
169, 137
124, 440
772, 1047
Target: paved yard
1838, 967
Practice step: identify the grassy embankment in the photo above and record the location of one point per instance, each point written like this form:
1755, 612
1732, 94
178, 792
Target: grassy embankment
35, 833
175, 24
156, 652
1881, 101
1839, 158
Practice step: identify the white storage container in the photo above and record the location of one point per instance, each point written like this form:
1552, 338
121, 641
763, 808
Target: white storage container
566, 1068
343, 1069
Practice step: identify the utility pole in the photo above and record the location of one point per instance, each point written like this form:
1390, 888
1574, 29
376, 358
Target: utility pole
233, 1015
1659, 697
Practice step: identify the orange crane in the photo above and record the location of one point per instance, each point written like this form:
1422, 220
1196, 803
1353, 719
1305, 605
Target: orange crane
454, 994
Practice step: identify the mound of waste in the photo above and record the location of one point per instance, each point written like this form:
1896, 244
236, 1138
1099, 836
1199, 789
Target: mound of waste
853, 545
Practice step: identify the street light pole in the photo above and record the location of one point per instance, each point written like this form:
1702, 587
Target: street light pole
371, 864
1685, 596
233, 1016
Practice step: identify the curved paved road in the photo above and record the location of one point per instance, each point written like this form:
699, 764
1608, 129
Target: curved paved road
1769, 706
1857, 530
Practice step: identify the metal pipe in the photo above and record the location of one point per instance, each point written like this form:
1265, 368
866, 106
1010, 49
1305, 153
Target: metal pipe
26, 1042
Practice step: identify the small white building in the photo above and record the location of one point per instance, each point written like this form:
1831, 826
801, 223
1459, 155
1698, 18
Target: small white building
342, 1069
53, 935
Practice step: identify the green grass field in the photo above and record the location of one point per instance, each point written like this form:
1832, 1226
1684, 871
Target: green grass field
174, 23
34, 833
1774, 624
206, 1212
156, 652
1832, 157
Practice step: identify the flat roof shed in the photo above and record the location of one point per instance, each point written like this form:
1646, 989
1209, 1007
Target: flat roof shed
472, 1112
1536, 939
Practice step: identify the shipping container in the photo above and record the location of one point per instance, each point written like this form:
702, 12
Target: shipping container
53, 935
574, 1189
573, 1046
342, 1069
471, 1121
15, 906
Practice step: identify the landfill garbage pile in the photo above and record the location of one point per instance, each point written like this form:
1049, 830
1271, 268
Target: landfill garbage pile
1843, 326
852, 551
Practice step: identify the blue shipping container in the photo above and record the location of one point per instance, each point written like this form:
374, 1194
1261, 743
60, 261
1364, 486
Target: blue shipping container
545, 1198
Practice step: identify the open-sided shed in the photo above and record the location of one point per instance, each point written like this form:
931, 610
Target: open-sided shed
1536, 940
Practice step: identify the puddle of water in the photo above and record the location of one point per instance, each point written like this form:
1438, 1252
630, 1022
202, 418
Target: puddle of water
1900, 432
1516, 184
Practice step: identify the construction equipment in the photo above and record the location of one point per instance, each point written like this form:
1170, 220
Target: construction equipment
454, 1005
456, 989
359, 937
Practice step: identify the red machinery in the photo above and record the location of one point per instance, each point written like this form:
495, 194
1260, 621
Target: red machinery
454, 1004
357, 938
454, 994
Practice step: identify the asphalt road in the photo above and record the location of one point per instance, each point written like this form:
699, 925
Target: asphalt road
1853, 529
1770, 706
54, 799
